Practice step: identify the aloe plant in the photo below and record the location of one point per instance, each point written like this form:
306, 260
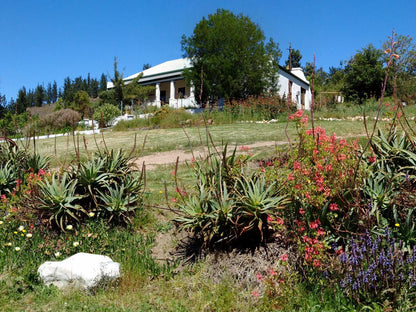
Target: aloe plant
256, 202
59, 200
117, 204
8, 176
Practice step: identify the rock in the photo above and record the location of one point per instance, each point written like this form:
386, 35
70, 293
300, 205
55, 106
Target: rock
82, 270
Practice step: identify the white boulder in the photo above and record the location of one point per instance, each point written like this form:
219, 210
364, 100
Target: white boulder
82, 270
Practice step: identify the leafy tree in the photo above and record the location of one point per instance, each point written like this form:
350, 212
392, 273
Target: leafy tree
230, 54
107, 112
134, 92
295, 58
364, 75
3, 105
81, 103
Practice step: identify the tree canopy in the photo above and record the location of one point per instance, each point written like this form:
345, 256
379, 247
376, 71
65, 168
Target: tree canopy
364, 75
230, 57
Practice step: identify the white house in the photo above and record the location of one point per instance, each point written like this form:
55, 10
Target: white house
171, 87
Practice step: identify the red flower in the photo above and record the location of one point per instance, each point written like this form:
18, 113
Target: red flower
283, 257
333, 207
299, 113
371, 159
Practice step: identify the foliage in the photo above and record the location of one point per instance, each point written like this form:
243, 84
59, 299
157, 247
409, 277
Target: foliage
59, 200
81, 103
229, 53
293, 60
364, 75
229, 203
106, 113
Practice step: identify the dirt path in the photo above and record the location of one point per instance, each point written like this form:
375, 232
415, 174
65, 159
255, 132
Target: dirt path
169, 157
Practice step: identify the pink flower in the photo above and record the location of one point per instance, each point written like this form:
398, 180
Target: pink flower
333, 207
316, 263
174, 200
259, 277
296, 165
315, 224
255, 294
290, 177
299, 113
371, 159
283, 257
272, 272
302, 211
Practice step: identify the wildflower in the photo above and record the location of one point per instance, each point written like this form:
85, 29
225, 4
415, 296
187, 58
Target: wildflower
57, 254
160, 192
255, 294
272, 272
69, 227
397, 225
333, 207
1, 222
8, 244
283, 258
299, 113
75, 244
15, 232
315, 224
29, 235
316, 263
91, 214
371, 159
17, 248
174, 200
21, 228
259, 277
301, 211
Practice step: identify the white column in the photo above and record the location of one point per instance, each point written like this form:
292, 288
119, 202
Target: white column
157, 95
192, 95
172, 94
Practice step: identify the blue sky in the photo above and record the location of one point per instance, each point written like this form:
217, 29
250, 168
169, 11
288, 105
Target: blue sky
46, 40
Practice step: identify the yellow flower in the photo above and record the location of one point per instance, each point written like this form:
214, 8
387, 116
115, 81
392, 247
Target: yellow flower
160, 192
22, 234
397, 225
24, 231
29, 235
17, 248
15, 232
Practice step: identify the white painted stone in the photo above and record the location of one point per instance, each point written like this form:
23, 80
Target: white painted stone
81, 270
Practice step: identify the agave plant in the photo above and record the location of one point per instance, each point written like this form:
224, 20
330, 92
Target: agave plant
36, 162
256, 202
8, 176
59, 199
117, 204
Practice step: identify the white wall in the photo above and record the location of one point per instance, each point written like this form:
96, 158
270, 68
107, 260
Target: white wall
297, 85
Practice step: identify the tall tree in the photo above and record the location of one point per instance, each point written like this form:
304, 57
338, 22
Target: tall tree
230, 54
81, 103
364, 75
22, 101
118, 83
40, 95
103, 83
294, 58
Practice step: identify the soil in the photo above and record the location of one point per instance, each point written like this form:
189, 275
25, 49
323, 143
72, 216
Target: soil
170, 157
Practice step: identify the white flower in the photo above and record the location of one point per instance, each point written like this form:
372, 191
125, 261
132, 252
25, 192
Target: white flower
21, 228
69, 227
57, 254
91, 214
1, 222
9, 244
17, 248
75, 244
29, 235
